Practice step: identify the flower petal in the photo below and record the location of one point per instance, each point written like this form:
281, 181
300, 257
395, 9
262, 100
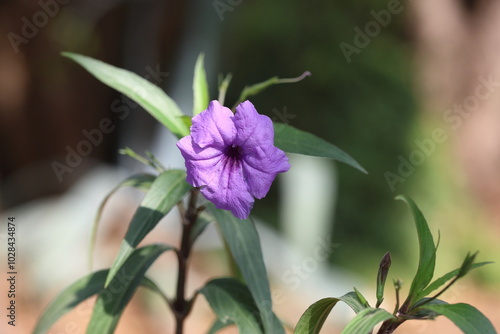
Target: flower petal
260, 167
228, 189
253, 129
232, 158
214, 126
199, 162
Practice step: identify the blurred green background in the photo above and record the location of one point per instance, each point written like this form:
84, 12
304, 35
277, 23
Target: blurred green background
365, 107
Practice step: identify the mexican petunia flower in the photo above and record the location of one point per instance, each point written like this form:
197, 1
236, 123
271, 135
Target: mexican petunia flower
232, 157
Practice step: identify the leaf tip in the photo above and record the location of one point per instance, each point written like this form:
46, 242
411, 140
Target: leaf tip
67, 54
401, 197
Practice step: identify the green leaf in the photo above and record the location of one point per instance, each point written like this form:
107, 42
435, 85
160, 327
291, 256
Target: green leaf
218, 325
427, 260
113, 299
233, 303
166, 191
200, 86
244, 243
466, 317
361, 298
187, 121
256, 88
467, 264
75, 294
314, 317
223, 86
151, 97
352, 300
365, 320
292, 140
445, 278
259, 87
419, 312
70, 297
149, 161
127, 151
139, 181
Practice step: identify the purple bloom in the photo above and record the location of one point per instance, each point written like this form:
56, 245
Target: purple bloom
232, 157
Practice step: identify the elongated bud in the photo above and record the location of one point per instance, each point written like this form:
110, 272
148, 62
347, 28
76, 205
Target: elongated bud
467, 265
397, 284
383, 270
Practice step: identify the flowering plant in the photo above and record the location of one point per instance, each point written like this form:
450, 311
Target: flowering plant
232, 159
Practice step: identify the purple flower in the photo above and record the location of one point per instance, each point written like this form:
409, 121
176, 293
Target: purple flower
232, 157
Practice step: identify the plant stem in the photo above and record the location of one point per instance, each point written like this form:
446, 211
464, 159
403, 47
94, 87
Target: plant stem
181, 306
440, 292
389, 326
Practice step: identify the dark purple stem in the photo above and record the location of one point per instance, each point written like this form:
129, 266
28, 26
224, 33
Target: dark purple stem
181, 307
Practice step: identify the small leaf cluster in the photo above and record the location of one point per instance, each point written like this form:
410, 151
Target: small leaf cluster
422, 302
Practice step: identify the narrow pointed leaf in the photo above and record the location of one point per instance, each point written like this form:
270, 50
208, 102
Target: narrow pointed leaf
139, 181
166, 191
151, 97
467, 265
361, 298
420, 312
352, 300
70, 297
223, 86
232, 302
366, 320
314, 317
115, 297
218, 325
75, 294
445, 278
200, 86
466, 317
244, 243
259, 87
427, 258
293, 140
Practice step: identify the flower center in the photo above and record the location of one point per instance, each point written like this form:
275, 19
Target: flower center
233, 152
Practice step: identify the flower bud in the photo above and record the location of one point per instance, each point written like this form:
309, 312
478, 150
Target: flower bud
383, 270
